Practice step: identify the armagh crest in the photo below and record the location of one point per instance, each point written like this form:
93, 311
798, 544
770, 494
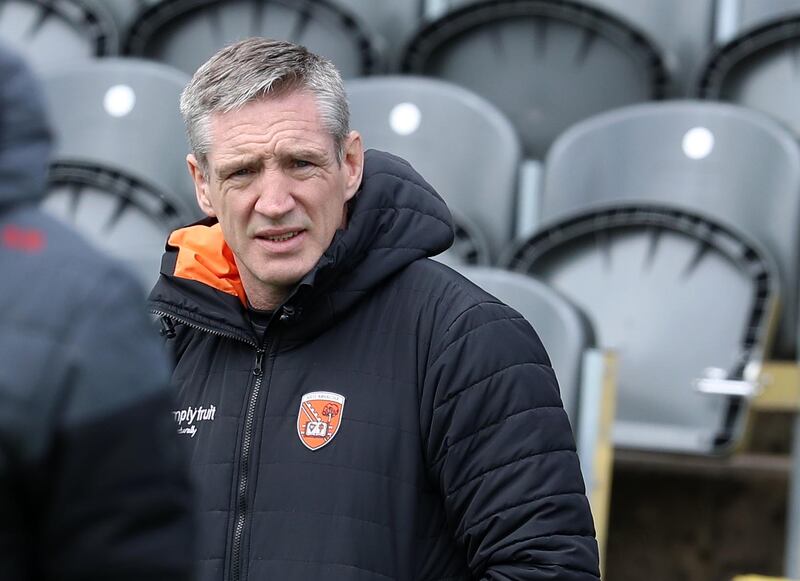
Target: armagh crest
319, 418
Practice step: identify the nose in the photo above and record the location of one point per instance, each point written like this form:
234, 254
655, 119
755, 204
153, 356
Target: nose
275, 197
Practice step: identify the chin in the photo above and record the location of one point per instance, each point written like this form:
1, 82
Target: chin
283, 278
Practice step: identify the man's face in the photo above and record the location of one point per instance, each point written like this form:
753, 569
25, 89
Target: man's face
275, 186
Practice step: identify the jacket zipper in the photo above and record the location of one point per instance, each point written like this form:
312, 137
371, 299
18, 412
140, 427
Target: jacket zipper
209, 330
244, 464
240, 511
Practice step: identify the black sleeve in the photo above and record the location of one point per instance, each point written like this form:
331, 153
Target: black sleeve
501, 450
117, 501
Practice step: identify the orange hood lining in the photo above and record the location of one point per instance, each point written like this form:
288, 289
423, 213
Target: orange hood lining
203, 256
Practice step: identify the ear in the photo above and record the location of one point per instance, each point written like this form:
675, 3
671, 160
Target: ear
353, 163
200, 186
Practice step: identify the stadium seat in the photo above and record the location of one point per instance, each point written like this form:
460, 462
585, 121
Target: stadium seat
758, 69
459, 142
684, 302
185, 33
681, 28
545, 63
56, 33
727, 163
119, 173
750, 14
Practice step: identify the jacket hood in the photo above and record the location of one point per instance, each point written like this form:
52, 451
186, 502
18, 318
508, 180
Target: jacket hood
25, 138
394, 219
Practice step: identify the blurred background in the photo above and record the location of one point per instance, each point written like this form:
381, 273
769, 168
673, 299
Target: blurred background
625, 173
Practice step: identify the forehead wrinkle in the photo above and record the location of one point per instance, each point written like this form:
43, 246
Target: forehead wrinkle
262, 123
263, 130
243, 137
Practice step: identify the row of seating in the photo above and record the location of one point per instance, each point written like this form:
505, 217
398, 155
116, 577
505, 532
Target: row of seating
654, 222
664, 232
545, 63
674, 243
673, 228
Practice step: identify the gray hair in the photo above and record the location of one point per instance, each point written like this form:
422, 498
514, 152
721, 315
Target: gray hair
256, 68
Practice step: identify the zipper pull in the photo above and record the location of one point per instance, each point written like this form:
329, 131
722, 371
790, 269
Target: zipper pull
287, 314
258, 370
167, 328
290, 313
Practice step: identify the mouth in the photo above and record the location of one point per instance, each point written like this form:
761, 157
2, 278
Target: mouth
281, 237
281, 241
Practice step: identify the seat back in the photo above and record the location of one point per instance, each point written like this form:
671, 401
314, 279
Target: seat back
462, 145
119, 173
545, 63
723, 162
756, 69
683, 30
682, 301
185, 33
51, 35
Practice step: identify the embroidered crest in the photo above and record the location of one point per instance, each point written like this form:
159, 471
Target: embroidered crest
319, 418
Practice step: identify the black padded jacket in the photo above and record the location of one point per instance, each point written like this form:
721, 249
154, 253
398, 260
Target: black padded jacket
93, 485
394, 421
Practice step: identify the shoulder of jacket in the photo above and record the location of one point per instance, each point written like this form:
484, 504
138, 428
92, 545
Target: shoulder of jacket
57, 249
56, 279
458, 302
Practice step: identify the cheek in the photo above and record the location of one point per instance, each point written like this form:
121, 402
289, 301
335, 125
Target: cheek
233, 221
234, 208
333, 219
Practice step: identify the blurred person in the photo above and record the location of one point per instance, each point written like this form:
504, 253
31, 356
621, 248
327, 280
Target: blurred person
353, 409
93, 485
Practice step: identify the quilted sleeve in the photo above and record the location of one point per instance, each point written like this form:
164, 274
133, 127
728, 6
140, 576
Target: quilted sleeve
500, 448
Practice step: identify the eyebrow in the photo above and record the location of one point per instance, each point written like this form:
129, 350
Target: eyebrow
245, 161
229, 167
310, 154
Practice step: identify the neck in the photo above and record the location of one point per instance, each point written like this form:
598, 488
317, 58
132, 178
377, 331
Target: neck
264, 299
262, 296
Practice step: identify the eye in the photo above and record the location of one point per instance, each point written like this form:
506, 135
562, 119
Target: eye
242, 172
302, 163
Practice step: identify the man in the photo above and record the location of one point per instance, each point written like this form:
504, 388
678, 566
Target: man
92, 485
353, 410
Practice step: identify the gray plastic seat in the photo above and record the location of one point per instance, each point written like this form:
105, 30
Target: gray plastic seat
459, 142
750, 14
119, 173
682, 29
758, 69
185, 33
726, 163
565, 333
684, 302
545, 63
55, 33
